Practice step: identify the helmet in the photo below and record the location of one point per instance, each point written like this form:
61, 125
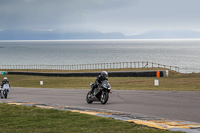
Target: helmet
5, 78
104, 74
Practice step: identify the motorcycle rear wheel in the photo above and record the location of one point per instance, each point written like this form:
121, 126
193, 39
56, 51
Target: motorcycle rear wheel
88, 97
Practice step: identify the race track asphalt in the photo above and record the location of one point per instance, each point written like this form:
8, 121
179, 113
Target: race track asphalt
175, 105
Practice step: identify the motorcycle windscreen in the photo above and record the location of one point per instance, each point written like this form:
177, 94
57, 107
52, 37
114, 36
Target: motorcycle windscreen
105, 83
6, 86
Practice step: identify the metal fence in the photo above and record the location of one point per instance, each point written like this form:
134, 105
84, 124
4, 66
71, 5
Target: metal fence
115, 65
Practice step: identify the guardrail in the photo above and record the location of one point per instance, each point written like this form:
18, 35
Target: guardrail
115, 65
162, 73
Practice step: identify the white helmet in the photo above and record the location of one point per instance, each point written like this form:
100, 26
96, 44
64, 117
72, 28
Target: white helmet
5, 78
104, 74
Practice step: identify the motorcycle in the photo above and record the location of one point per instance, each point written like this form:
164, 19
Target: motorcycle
5, 90
101, 93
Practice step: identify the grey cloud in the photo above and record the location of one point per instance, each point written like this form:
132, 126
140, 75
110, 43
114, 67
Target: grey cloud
37, 13
151, 14
102, 15
51, 13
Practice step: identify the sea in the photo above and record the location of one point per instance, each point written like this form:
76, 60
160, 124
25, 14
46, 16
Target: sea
183, 53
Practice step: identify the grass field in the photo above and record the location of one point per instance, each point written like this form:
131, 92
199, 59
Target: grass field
24, 119
175, 81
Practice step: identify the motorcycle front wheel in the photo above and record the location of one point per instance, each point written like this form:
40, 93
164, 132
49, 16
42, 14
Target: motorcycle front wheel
104, 98
89, 97
5, 93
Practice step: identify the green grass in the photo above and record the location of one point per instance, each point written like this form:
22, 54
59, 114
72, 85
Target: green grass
24, 119
175, 81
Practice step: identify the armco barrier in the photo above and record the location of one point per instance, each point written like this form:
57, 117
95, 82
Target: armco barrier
94, 74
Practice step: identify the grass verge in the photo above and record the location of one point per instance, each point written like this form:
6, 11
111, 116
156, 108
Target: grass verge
20, 119
175, 81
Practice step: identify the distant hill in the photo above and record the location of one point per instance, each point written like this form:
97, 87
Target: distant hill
168, 34
57, 35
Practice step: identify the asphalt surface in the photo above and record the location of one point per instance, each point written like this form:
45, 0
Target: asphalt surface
175, 105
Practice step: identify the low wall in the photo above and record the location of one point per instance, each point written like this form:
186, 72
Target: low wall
94, 74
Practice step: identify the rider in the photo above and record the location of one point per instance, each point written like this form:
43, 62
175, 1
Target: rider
4, 81
100, 78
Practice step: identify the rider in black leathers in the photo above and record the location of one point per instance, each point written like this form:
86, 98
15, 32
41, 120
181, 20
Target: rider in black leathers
4, 81
100, 78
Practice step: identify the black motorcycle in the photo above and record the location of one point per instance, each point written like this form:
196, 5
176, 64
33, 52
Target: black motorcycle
101, 93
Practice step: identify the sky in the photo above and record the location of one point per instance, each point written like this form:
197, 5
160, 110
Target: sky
130, 17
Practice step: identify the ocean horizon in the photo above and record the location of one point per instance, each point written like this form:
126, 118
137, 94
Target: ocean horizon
183, 53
